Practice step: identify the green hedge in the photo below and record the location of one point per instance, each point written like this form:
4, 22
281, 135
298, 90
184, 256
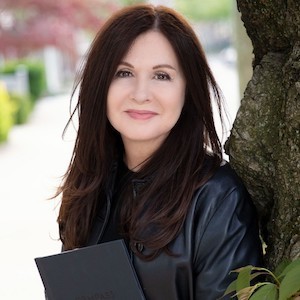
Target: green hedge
7, 111
15, 108
205, 10
36, 75
23, 106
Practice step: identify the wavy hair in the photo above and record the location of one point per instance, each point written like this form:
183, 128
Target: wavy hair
176, 169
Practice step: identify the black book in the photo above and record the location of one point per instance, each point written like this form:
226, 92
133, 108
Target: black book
101, 272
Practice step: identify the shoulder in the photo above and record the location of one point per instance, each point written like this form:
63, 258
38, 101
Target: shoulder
224, 231
223, 187
220, 201
226, 177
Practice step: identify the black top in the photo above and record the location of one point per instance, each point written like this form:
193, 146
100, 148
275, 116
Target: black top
220, 233
123, 178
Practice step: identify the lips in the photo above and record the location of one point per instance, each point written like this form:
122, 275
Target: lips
140, 114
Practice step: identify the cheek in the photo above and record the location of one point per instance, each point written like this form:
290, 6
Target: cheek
178, 109
110, 107
180, 95
112, 99
178, 103
116, 95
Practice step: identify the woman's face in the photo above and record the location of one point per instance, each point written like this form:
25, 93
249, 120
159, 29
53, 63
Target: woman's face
147, 93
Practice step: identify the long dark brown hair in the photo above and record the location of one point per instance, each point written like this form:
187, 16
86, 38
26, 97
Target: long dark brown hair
175, 170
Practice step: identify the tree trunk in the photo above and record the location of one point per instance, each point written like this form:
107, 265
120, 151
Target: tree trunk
264, 145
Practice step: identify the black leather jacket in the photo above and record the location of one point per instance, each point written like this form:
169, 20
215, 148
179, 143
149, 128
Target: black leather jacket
220, 234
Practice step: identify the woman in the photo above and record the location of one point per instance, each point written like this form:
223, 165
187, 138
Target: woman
147, 164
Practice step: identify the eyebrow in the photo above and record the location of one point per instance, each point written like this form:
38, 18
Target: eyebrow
163, 66
154, 68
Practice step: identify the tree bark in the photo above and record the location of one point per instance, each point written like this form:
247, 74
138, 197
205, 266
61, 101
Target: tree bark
264, 145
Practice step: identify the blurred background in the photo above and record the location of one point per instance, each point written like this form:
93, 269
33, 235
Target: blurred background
42, 45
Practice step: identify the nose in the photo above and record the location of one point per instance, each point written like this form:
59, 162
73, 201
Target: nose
141, 90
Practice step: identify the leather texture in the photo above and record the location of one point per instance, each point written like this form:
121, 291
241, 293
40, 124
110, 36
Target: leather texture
219, 235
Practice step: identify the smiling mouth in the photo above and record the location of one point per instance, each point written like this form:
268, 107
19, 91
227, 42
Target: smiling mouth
140, 114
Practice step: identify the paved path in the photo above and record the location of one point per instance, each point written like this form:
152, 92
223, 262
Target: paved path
30, 166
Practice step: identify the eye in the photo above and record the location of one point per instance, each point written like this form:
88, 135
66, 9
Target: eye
123, 73
162, 76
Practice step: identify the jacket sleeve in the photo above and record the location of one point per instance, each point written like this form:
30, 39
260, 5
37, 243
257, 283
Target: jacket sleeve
229, 240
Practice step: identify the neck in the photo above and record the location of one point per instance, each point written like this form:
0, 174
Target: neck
137, 153
134, 162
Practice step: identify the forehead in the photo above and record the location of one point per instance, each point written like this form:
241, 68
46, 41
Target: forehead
151, 45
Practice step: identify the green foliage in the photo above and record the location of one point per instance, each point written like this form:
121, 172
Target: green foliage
23, 106
131, 2
7, 110
204, 10
37, 81
284, 283
36, 75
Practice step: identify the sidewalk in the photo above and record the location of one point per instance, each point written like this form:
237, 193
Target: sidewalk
30, 166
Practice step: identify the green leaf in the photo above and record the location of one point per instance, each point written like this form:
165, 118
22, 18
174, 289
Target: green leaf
289, 267
231, 288
281, 267
246, 293
243, 279
243, 268
266, 272
290, 283
268, 291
